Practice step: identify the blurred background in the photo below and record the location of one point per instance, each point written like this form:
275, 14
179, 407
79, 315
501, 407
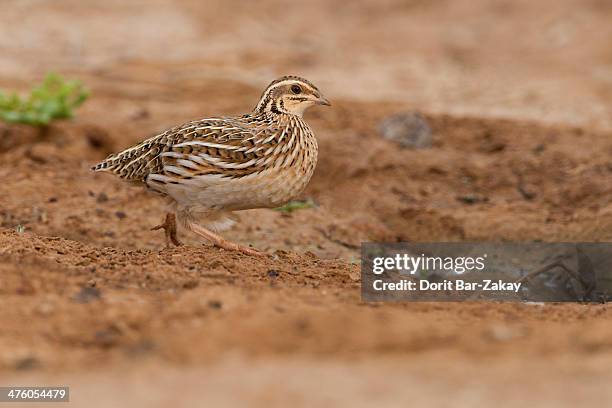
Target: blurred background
452, 120
546, 60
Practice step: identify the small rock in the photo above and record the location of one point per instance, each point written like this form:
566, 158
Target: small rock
527, 194
141, 348
98, 138
495, 147
215, 304
472, 199
409, 130
273, 273
102, 198
120, 214
87, 294
190, 284
108, 337
27, 363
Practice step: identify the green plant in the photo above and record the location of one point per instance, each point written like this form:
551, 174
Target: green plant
55, 98
292, 206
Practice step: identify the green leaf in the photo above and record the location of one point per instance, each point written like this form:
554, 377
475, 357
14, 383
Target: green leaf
292, 206
55, 98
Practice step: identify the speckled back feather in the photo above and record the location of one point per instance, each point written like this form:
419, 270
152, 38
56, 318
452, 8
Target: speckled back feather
231, 147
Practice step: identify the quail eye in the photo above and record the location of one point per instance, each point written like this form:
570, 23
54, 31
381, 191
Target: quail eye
296, 89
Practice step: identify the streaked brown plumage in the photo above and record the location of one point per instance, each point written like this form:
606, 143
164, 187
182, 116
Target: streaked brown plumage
211, 167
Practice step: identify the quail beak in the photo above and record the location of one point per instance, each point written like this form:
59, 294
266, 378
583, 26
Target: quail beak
323, 101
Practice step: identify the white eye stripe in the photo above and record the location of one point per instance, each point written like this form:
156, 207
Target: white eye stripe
291, 82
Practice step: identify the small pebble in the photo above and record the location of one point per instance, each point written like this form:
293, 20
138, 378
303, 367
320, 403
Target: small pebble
409, 130
27, 363
472, 199
190, 284
87, 294
102, 198
215, 304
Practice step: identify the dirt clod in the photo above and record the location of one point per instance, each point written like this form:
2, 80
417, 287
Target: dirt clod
215, 304
87, 294
101, 198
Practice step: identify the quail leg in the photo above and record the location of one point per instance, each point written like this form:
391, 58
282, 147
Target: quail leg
169, 227
221, 242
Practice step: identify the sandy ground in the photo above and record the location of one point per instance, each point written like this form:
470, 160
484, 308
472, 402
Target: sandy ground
518, 95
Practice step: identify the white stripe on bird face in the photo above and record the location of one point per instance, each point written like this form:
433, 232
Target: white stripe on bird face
268, 103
